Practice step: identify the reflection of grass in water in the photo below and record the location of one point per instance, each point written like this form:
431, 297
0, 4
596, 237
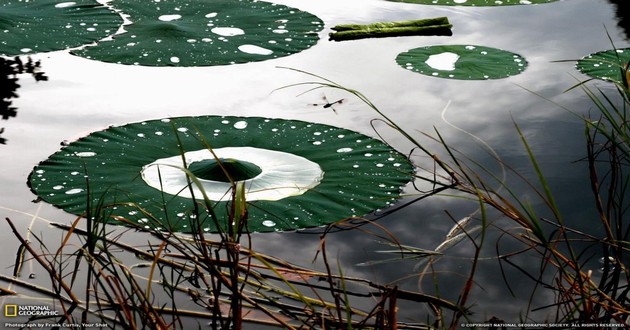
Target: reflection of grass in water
232, 284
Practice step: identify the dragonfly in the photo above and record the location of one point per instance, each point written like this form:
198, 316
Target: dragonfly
327, 104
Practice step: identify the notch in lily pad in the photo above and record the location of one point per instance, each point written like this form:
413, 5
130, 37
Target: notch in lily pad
466, 62
296, 174
205, 32
47, 25
476, 3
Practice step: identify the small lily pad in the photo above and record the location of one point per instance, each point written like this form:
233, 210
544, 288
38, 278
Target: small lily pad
296, 174
606, 65
48, 25
205, 32
478, 3
466, 62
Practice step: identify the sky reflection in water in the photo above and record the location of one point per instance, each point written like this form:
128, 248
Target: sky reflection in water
83, 96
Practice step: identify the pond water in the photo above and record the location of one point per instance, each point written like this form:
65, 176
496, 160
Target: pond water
82, 96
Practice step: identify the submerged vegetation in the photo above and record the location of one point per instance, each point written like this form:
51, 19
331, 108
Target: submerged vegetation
180, 281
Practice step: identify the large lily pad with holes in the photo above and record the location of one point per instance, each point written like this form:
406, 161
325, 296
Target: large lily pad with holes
606, 65
462, 62
206, 32
296, 174
47, 25
479, 3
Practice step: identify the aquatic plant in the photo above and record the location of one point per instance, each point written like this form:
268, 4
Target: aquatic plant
47, 25
231, 284
296, 174
206, 32
607, 65
565, 267
228, 282
159, 33
468, 62
586, 296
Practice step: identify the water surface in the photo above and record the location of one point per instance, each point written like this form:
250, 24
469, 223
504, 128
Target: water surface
83, 96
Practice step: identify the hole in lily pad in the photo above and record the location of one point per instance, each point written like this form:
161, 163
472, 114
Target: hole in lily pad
237, 170
478, 3
48, 25
443, 61
606, 65
467, 62
205, 32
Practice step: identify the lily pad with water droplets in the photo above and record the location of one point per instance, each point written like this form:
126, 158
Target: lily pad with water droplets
296, 174
466, 62
48, 25
606, 65
477, 3
206, 32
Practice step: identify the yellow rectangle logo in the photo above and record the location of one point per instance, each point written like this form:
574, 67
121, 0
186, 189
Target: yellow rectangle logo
10, 310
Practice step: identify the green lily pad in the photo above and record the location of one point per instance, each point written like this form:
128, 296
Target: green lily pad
606, 65
48, 25
479, 3
296, 174
466, 62
206, 32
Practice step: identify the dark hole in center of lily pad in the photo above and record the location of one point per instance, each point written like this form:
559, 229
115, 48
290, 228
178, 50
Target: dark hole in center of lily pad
237, 170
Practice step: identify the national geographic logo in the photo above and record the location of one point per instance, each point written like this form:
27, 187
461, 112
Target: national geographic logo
10, 310
28, 310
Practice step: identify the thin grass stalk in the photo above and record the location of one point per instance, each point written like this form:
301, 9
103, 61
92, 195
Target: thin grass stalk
585, 287
594, 179
171, 263
220, 278
47, 292
329, 279
466, 290
90, 244
611, 203
239, 219
573, 260
309, 303
612, 127
548, 247
95, 217
103, 269
152, 271
114, 290
53, 274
